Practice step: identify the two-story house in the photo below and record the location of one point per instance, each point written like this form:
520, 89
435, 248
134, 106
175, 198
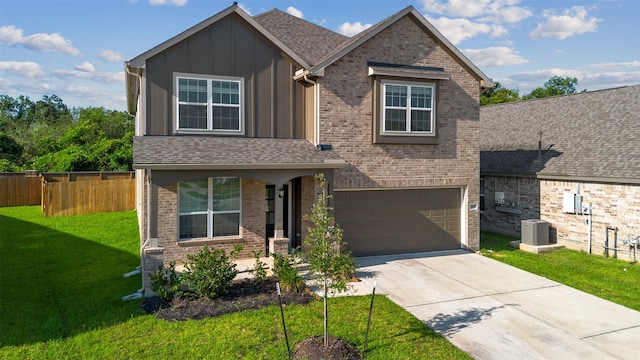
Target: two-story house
235, 116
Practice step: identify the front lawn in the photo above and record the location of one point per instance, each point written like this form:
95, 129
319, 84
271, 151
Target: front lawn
611, 279
61, 283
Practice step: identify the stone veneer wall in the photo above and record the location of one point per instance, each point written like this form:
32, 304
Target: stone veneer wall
523, 193
346, 121
615, 205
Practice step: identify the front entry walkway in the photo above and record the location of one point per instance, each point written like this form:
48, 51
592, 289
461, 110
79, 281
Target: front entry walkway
494, 311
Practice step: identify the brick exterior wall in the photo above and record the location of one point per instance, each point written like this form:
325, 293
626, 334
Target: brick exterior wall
346, 121
614, 205
170, 249
521, 194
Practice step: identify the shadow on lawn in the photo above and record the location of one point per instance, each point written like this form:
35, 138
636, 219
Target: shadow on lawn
55, 285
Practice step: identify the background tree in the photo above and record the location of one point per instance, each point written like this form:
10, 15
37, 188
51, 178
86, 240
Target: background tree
330, 264
54, 138
498, 94
555, 86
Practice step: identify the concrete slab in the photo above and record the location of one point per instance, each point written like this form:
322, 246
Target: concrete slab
495, 311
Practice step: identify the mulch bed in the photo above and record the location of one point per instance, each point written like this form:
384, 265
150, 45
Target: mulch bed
242, 295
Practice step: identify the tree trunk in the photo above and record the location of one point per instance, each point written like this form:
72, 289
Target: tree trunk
326, 317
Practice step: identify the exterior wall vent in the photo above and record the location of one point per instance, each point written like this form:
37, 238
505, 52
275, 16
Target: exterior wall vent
535, 232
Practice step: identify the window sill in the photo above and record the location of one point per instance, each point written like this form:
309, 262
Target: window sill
409, 139
205, 241
208, 132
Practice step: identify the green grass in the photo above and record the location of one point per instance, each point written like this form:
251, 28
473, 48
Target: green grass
612, 279
61, 283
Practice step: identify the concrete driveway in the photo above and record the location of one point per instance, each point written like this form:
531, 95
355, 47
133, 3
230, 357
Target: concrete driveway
495, 311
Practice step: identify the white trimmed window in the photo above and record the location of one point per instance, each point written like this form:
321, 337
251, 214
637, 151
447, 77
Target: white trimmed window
210, 104
407, 108
209, 208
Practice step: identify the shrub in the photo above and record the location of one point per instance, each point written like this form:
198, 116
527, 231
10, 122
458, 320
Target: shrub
165, 283
260, 268
209, 273
284, 269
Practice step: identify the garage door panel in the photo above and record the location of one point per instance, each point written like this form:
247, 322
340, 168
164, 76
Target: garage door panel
399, 221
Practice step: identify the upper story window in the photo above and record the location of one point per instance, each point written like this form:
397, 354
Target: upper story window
210, 103
407, 108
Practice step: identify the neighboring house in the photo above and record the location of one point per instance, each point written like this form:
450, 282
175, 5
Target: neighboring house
552, 158
237, 114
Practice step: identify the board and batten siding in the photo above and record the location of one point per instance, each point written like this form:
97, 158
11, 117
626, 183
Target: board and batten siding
274, 103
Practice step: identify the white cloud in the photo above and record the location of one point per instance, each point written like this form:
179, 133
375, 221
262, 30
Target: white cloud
489, 10
571, 22
86, 67
23, 68
458, 30
12, 36
17, 88
167, 2
495, 56
630, 64
103, 77
110, 55
244, 8
351, 29
295, 12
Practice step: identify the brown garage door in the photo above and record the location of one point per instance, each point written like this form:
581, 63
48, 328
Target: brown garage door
379, 222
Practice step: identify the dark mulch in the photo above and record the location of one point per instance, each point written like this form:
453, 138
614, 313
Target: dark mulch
242, 295
313, 349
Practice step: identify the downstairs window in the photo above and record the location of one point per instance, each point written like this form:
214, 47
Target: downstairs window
209, 208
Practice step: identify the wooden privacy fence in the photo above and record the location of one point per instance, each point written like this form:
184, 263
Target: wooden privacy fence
20, 189
74, 193
87, 193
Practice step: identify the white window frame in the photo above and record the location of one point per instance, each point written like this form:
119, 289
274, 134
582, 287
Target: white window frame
210, 104
409, 85
211, 213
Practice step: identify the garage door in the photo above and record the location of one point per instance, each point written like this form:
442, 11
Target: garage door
377, 222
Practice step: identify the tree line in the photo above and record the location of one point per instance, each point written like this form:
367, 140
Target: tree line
46, 135
556, 85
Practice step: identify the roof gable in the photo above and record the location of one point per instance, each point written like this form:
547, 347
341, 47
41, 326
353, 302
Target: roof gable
586, 135
352, 43
308, 40
139, 61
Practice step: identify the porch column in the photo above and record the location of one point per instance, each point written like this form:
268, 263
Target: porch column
279, 215
278, 244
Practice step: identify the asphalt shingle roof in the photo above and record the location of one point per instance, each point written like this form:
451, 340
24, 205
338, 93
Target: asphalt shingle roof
310, 41
198, 151
586, 135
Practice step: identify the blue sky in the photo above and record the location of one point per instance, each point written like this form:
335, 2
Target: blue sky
76, 49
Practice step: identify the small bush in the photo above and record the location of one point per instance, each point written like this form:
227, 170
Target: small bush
165, 283
260, 268
209, 273
284, 269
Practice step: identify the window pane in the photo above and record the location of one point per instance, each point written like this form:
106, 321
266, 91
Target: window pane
226, 224
226, 92
192, 116
421, 120
192, 90
193, 226
226, 194
396, 95
421, 97
193, 196
395, 120
226, 118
